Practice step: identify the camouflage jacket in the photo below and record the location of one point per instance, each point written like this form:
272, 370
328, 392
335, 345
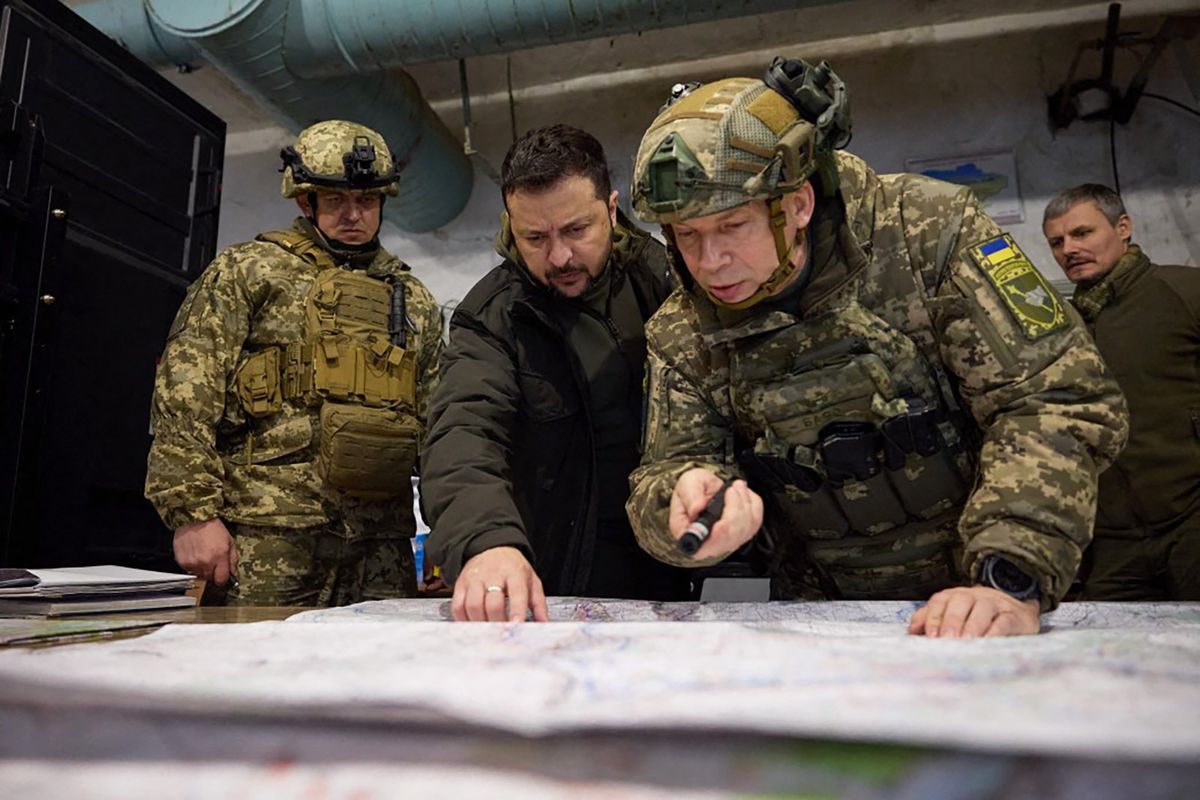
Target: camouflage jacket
209, 459
1047, 414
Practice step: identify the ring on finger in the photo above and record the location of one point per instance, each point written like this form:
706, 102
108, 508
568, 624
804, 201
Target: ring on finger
493, 588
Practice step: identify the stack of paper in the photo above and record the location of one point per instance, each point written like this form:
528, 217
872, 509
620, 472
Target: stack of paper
89, 590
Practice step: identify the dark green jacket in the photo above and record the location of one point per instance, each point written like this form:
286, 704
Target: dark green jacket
1148, 330
508, 458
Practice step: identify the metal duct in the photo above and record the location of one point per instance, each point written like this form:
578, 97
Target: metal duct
368, 35
129, 23
338, 37
313, 59
244, 39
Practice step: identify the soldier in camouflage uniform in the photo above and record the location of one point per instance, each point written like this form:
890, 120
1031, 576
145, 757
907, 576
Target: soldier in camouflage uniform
289, 402
874, 367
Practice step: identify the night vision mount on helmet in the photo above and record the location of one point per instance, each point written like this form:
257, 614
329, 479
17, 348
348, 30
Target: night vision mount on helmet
338, 155
818, 94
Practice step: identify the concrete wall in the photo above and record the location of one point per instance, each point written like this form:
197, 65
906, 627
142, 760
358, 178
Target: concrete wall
922, 94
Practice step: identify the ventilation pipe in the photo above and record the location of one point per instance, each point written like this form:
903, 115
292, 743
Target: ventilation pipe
365, 35
245, 40
306, 60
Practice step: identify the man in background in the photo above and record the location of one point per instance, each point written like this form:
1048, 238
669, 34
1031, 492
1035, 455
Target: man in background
1145, 319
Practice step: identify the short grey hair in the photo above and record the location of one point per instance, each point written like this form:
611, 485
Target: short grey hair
1108, 201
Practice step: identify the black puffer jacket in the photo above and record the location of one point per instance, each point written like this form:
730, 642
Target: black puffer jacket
508, 456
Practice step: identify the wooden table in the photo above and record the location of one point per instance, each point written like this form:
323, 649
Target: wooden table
220, 615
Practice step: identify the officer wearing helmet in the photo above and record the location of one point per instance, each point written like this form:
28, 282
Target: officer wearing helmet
900, 404
289, 401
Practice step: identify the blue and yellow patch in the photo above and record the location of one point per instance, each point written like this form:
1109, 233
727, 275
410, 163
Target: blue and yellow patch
1027, 296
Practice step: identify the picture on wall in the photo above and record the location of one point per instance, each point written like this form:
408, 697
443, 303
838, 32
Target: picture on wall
992, 176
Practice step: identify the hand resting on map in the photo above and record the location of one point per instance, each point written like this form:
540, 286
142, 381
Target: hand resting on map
966, 612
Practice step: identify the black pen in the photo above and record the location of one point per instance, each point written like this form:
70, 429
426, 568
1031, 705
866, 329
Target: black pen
701, 527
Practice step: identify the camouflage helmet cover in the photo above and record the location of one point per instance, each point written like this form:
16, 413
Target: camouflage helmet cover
736, 140
338, 155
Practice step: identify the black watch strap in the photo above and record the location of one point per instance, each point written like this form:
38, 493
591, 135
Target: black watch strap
1000, 573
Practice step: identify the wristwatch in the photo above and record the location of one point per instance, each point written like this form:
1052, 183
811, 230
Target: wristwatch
1000, 573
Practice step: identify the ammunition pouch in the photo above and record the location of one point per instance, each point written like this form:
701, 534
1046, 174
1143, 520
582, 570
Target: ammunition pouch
258, 385
335, 367
339, 368
853, 438
857, 484
859, 479
352, 357
353, 363
925, 473
367, 452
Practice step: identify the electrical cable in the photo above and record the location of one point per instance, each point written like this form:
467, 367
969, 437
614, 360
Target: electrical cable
1173, 102
1112, 132
1112, 151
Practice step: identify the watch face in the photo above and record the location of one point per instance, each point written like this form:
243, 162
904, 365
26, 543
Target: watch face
1009, 578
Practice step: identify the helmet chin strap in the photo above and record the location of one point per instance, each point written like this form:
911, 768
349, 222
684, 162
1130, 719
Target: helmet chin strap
786, 253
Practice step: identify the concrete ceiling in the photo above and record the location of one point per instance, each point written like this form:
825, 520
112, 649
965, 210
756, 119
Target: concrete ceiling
699, 51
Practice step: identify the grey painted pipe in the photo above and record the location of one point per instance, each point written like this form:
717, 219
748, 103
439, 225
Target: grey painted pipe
369, 35
129, 23
314, 59
244, 39
339, 37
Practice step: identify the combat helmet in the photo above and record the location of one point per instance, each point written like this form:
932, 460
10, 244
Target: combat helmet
340, 155
717, 146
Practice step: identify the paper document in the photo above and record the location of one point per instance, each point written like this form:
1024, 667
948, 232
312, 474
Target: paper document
101, 580
92, 604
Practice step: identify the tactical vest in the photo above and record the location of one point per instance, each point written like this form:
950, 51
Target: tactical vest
845, 428
352, 362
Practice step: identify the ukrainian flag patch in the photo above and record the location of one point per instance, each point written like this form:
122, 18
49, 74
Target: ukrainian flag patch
1027, 296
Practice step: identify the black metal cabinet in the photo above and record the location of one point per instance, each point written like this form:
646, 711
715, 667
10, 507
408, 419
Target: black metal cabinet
109, 192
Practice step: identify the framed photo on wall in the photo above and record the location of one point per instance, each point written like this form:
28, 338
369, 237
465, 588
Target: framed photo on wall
992, 176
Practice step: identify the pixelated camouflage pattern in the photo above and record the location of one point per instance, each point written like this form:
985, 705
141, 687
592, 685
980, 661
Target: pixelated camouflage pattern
321, 148
210, 460
1048, 414
318, 567
734, 147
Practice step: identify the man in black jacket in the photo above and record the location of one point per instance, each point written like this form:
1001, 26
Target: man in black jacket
534, 428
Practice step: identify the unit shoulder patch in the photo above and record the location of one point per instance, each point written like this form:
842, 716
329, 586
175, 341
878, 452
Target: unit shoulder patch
183, 317
1026, 294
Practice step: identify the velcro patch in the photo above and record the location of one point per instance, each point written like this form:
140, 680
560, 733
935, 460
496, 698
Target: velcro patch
1028, 297
774, 111
183, 317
